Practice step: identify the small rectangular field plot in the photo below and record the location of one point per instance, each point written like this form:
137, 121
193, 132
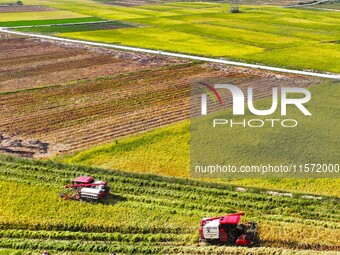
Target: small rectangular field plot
68, 28
46, 22
24, 8
39, 15
76, 116
28, 63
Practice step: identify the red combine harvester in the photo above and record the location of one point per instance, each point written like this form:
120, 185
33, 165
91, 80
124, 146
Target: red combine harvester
85, 188
228, 230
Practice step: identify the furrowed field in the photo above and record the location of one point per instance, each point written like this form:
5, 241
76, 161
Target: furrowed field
285, 37
72, 97
149, 214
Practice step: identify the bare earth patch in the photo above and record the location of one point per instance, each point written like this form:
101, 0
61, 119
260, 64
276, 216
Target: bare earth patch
25, 8
24, 148
6, 36
48, 63
90, 95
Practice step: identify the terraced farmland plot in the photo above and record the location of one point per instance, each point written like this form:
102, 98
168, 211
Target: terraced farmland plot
133, 97
149, 214
88, 113
46, 63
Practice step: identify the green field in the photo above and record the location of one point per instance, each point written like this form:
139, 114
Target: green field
156, 38
166, 151
75, 28
23, 16
47, 22
294, 38
149, 214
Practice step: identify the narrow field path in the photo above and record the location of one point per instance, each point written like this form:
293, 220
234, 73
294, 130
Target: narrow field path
322, 9
178, 55
307, 4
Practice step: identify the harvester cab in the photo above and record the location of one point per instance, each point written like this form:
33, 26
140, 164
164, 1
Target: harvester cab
228, 230
85, 188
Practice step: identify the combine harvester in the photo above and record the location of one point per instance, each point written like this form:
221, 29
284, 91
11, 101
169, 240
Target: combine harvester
85, 188
228, 230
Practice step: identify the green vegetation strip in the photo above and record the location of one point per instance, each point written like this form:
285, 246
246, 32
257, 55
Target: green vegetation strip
75, 28
47, 22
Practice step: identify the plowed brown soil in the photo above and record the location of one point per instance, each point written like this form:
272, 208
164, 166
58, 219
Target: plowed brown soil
25, 8
90, 96
27, 63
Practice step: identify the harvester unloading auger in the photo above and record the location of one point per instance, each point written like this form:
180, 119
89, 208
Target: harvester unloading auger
228, 230
85, 188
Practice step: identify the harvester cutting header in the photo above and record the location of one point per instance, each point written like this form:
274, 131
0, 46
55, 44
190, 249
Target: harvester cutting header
85, 188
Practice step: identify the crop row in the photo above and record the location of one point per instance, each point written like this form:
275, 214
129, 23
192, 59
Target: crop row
128, 183
148, 184
61, 175
54, 120
280, 236
86, 113
147, 205
96, 99
100, 113
144, 248
110, 237
55, 67
201, 198
140, 186
75, 226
